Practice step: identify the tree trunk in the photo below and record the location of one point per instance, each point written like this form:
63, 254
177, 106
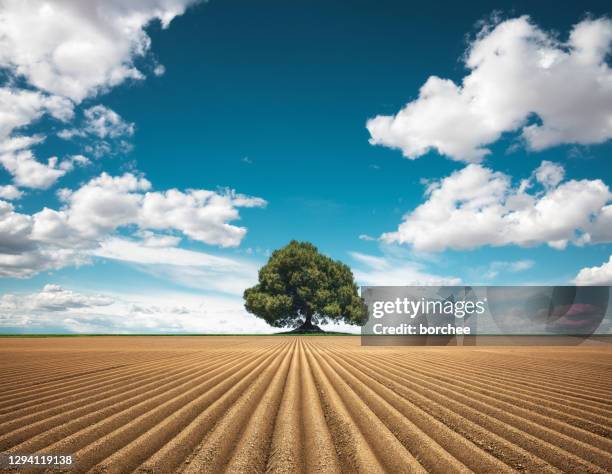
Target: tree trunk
307, 326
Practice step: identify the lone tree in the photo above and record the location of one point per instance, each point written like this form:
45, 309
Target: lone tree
300, 285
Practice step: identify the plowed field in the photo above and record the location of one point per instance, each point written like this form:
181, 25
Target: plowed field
309, 404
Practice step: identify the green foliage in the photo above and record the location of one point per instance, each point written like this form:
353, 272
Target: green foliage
300, 284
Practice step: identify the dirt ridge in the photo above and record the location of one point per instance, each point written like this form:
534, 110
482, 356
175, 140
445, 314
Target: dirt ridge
305, 404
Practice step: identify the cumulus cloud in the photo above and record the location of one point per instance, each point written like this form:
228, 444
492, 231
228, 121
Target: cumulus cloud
30, 173
20, 142
104, 122
600, 230
97, 208
9, 192
52, 239
386, 271
521, 78
549, 174
77, 49
19, 107
595, 276
477, 206
200, 214
22, 253
103, 132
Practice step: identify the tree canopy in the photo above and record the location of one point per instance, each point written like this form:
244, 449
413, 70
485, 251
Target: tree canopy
300, 285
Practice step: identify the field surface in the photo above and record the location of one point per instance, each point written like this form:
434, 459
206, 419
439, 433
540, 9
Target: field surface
309, 404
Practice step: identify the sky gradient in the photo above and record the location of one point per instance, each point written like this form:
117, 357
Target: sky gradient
273, 122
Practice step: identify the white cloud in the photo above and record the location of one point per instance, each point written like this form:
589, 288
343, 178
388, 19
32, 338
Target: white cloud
76, 49
78, 160
20, 142
10, 192
30, 173
497, 267
371, 261
106, 203
52, 239
56, 309
386, 271
152, 240
101, 205
102, 133
601, 229
595, 276
104, 122
142, 252
366, 237
19, 108
549, 174
23, 254
52, 298
517, 70
200, 214
477, 206
192, 269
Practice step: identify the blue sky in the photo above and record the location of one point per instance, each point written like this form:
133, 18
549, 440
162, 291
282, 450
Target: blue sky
273, 100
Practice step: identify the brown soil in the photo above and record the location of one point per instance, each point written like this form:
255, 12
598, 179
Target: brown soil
305, 404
